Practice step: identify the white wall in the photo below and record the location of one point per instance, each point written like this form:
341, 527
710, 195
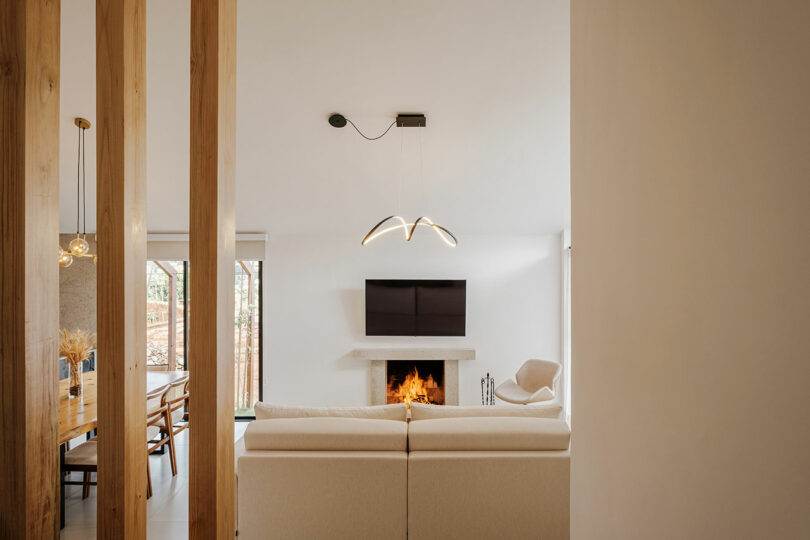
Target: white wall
691, 270
493, 78
77, 98
314, 308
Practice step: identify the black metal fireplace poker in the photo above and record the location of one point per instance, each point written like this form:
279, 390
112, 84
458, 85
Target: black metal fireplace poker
489, 397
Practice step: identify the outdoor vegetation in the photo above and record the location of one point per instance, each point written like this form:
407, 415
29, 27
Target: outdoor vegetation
159, 323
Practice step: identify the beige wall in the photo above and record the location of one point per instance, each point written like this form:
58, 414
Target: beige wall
77, 289
691, 269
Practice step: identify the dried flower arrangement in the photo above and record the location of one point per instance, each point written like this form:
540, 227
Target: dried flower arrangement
76, 347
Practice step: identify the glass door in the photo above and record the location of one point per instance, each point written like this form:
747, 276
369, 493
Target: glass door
247, 336
166, 315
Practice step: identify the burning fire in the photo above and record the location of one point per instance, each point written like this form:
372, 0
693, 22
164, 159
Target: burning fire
414, 388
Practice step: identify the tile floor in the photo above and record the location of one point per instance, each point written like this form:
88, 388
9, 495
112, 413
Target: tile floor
166, 510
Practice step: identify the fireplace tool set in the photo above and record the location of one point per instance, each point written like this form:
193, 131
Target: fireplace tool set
487, 390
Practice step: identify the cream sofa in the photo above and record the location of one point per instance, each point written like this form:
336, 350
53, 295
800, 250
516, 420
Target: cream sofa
464, 477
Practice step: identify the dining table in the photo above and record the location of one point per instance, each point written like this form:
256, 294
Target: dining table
79, 415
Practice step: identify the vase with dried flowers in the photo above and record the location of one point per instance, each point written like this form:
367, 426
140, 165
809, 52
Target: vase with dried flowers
76, 347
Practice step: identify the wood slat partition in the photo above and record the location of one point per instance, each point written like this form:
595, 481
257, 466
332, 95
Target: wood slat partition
121, 159
211, 250
29, 279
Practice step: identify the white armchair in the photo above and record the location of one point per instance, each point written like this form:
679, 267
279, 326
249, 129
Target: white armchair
536, 381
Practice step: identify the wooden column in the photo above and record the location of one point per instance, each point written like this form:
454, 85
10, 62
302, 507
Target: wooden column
121, 123
211, 246
29, 279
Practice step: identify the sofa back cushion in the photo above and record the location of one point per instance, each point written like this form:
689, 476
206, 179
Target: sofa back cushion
421, 411
489, 434
349, 434
266, 411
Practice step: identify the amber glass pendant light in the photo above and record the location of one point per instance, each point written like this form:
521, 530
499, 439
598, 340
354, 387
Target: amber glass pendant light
79, 247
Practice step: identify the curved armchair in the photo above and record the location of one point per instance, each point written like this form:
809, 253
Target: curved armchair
536, 381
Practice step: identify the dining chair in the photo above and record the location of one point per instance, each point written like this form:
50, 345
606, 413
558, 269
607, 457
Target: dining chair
84, 457
176, 405
157, 414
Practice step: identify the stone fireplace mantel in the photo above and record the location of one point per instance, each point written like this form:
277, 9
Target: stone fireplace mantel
378, 356
402, 353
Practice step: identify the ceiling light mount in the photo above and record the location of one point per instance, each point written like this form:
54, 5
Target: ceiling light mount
411, 120
337, 120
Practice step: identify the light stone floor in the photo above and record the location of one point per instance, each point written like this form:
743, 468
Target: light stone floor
166, 510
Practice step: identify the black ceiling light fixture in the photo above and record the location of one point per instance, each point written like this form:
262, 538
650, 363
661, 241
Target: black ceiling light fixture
399, 223
402, 120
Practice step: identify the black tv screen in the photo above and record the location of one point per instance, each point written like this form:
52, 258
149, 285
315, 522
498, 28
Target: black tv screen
416, 307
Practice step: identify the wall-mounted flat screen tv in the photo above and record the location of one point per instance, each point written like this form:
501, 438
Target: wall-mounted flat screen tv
416, 307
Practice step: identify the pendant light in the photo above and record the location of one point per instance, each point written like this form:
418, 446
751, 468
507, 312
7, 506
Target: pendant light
399, 223
79, 247
446, 236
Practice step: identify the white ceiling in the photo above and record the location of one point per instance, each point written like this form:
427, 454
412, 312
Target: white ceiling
492, 78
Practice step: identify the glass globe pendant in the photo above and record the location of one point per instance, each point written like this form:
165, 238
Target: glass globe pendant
79, 246
65, 258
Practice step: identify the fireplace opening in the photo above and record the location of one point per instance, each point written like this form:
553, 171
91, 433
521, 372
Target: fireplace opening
420, 381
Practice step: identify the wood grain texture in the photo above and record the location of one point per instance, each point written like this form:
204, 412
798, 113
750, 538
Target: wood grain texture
78, 416
121, 143
211, 249
29, 281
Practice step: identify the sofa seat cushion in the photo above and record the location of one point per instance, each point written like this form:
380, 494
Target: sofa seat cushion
512, 392
266, 411
495, 433
326, 434
549, 409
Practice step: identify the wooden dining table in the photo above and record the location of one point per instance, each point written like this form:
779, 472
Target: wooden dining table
79, 415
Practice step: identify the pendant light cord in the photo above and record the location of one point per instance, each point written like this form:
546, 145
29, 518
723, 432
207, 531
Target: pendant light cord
78, 179
84, 183
371, 138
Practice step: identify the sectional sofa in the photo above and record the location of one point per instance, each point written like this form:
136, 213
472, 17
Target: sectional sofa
367, 473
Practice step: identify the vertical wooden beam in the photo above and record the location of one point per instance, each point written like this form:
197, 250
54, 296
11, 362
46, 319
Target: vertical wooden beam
29, 280
121, 135
211, 246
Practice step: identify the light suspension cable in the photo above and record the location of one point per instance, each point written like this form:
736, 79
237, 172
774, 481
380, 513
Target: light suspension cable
380, 136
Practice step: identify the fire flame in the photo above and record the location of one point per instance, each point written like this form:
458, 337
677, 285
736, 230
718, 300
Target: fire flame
412, 389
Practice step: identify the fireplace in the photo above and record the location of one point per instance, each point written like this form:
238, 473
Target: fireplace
420, 381
440, 363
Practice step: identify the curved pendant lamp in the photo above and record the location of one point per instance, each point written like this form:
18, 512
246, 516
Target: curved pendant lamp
409, 228
78, 247
402, 120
